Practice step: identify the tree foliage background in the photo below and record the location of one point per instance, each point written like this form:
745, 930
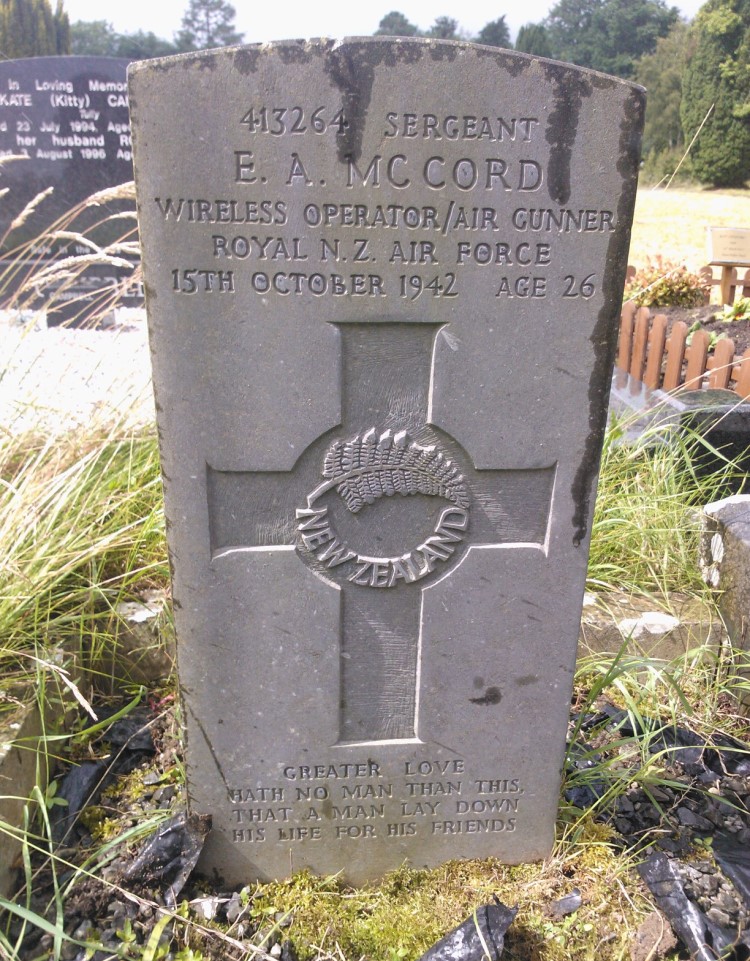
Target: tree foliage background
395, 24
30, 28
206, 24
495, 33
607, 35
533, 38
688, 70
661, 73
717, 78
99, 38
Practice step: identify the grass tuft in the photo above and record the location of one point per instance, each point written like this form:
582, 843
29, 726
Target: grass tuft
81, 524
646, 525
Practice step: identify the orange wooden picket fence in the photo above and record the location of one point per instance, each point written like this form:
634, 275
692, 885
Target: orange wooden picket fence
729, 281
668, 362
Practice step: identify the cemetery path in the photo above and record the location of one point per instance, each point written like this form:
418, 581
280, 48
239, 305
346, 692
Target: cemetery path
54, 380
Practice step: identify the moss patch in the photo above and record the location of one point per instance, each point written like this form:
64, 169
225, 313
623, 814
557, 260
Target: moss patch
412, 909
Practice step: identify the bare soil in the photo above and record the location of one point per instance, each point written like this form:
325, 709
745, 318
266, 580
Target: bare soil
737, 330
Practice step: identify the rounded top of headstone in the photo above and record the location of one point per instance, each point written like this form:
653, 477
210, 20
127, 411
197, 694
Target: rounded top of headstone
73, 58
381, 52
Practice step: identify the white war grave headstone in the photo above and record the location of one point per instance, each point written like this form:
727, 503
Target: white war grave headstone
383, 280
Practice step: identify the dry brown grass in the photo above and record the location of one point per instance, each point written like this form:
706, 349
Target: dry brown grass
672, 223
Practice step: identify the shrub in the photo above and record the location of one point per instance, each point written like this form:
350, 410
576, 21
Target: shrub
716, 89
662, 284
661, 166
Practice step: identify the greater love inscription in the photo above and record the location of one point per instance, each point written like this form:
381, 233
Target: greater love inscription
383, 279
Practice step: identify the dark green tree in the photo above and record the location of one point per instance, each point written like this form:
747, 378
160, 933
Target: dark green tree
395, 24
444, 28
208, 23
570, 30
61, 23
533, 38
661, 73
143, 45
93, 38
30, 28
628, 30
717, 79
608, 35
495, 33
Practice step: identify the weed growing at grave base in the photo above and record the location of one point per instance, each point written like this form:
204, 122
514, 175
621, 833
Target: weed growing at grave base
410, 910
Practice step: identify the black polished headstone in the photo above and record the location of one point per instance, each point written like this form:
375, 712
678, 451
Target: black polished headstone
64, 125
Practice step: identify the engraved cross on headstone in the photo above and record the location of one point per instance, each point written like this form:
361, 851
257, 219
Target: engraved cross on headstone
381, 507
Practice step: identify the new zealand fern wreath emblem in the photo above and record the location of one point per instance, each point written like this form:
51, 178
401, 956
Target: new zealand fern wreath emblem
378, 464
372, 466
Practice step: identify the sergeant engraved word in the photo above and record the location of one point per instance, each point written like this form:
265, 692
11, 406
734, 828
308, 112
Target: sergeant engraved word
429, 126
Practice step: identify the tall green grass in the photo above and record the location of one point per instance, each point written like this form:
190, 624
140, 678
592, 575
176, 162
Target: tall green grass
646, 525
81, 525
81, 522
99, 237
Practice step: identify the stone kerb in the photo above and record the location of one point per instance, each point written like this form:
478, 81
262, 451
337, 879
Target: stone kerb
725, 566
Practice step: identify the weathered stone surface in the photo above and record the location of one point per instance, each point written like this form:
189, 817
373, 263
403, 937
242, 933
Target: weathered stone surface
29, 712
378, 268
663, 628
18, 772
143, 648
725, 566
